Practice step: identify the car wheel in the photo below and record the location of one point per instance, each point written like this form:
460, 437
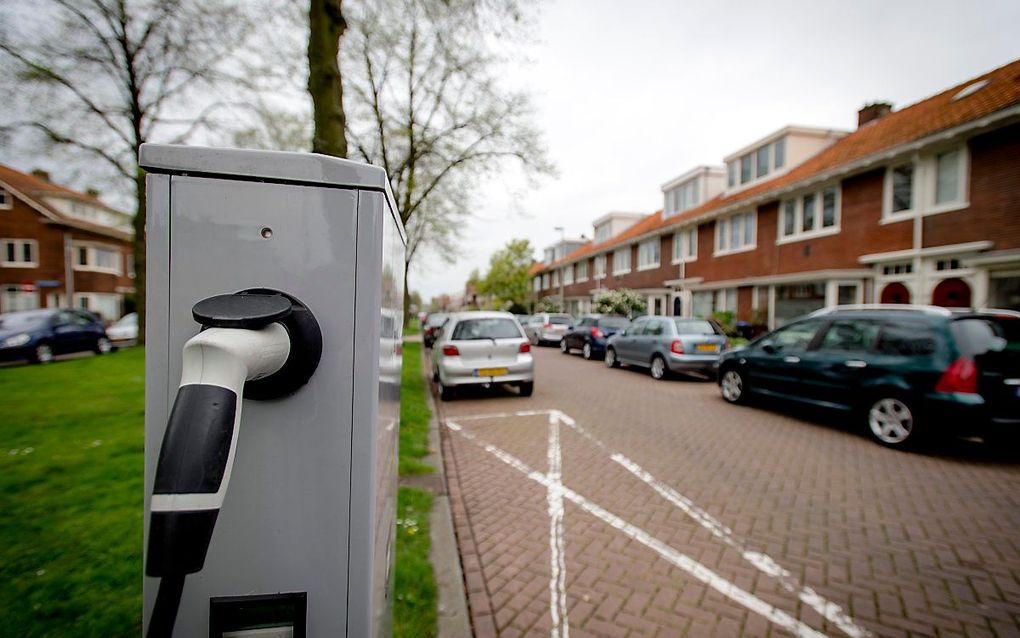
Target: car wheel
586, 351
732, 386
527, 388
891, 422
445, 392
658, 368
42, 353
611, 361
563, 346
103, 346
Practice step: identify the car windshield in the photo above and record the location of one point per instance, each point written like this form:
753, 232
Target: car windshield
24, 320
613, 322
491, 328
561, 321
694, 327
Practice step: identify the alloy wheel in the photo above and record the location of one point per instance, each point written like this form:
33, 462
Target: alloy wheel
103, 345
586, 351
563, 346
658, 369
732, 386
891, 421
43, 353
610, 358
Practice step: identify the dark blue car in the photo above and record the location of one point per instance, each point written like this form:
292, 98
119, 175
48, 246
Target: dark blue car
39, 335
590, 333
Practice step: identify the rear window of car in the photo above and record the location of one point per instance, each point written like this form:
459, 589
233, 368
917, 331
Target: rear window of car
492, 328
436, 320
695, 327
561, 321
907, 339
613, 322
979, 335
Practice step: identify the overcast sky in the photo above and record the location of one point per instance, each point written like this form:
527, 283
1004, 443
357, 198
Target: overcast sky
631, 94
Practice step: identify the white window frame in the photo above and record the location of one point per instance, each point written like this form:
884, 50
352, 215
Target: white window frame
6, 199
600, 266
925, 186
887, 192
963, 172
724, 222
582, 271
14, 293
90, 258
617, 268
537, 285
798, 216
545, 281
682, 244
656, 246
568, 274
556, 277
19, 244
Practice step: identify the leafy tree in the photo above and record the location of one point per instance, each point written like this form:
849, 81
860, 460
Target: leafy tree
507, 280
624, 302
92, 80
549, 304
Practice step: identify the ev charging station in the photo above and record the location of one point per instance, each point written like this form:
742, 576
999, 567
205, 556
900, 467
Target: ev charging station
272, 398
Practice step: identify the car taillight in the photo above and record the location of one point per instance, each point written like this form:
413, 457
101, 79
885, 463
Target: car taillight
451, 351
677, 347
961, 376
596, 333
525, 347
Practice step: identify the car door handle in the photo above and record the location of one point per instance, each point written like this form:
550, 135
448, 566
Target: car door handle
791, 359
855, 363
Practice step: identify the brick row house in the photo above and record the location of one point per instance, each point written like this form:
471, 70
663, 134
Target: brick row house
919, 205
62, 248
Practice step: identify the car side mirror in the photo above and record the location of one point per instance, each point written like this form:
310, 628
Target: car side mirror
769, 348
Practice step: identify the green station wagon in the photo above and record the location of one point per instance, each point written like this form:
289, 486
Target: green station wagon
908, 371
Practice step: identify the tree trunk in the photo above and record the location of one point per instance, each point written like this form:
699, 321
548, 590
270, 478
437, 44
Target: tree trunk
139, 251
326, 27
407, 295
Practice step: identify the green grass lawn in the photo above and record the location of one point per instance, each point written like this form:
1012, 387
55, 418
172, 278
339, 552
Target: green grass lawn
71, 443
71, 436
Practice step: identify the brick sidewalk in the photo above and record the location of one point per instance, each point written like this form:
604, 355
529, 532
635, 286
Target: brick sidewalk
902, 544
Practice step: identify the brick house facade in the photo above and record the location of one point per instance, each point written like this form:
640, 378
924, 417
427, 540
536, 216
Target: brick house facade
61, 248
920, 205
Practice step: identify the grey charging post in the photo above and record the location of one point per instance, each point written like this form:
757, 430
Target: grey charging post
274, 306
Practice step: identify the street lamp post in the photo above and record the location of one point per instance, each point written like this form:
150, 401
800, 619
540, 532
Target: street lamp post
563, 302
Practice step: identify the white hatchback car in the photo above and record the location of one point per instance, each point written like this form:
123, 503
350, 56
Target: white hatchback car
482, 348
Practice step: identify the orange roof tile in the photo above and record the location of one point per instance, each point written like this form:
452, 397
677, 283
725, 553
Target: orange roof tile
927, 117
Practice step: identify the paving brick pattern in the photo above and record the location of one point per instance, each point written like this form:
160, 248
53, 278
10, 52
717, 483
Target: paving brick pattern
907, 544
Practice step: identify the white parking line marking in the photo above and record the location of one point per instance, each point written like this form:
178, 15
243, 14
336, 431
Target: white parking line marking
678, 559
764, 563
557, 558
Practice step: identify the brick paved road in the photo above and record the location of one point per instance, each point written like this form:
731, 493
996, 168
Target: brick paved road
684, 516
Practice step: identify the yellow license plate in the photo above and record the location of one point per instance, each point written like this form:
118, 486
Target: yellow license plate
491, 372
707, 347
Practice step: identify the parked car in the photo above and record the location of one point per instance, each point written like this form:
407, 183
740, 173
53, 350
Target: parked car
906, 372
482, 348
39, 335
668, 344
591, 333
546, 327
433, 325
124, 331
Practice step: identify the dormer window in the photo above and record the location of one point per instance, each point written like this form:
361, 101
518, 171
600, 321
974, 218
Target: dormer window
683, 197
757, 164
5, 200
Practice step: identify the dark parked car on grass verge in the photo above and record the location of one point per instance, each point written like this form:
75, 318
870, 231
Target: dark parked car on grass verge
482, 349
433, 325
39, 335
668, 344
590, 334
908, 372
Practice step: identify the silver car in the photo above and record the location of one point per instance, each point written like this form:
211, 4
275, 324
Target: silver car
668, 344
482, 348
547, 327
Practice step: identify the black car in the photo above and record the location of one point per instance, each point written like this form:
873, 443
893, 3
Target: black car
589, 335
38, 335
908, 372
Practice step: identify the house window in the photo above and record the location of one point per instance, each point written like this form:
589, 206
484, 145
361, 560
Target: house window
537, 284
5, 200
19, 253
779, 150
731, 174
648, 254
685, 245
568, 274
682, 197
582, 270
621, 261
602, 233
901, 187
545, 281
948, 264
948, 177
600, 267
735, 233
904, 268
13, 298
98, 258
556, 278
810, 215
762, 161
745, 169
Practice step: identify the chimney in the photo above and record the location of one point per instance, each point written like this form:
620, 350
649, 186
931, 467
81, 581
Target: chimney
872, 112
41, 174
